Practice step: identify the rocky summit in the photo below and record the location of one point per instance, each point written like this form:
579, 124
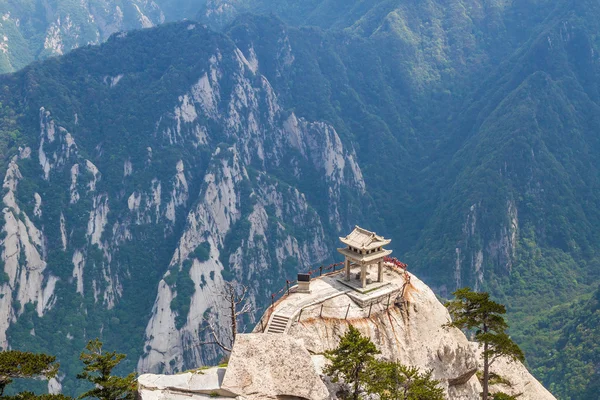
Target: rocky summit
401, 315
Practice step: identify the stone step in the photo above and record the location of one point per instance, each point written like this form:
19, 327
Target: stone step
281, 321
278, 324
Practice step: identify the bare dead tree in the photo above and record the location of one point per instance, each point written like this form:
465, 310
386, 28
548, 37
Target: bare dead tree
235, 305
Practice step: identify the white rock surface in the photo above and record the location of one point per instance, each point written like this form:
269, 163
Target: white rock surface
270, 366
198, 384
412, 334
23, 254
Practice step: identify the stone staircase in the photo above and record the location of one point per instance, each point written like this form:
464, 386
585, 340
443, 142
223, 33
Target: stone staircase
278, 324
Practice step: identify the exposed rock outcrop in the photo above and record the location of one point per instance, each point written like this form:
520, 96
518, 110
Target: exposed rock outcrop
408, 328
271, 366
201, 383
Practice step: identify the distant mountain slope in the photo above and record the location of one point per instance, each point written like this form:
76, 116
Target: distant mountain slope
471, 172
30, 30
570, 367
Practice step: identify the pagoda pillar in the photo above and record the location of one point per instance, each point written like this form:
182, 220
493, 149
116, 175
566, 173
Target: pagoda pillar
363, 275
347, 268
380, 271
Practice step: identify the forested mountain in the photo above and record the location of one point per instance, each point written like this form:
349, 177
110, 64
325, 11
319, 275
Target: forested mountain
572, 368
141, 173
126, 165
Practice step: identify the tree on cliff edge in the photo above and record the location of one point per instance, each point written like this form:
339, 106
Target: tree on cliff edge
235, 305
474, 311
353, 361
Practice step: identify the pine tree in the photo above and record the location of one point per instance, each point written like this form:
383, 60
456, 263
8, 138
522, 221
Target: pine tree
394, 381
18, 364
474, 311
98, 368
350, 359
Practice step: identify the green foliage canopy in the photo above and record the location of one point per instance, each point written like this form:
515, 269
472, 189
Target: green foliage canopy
394, 381
475, 311
350, 359
32, 396
98, 368
19, 364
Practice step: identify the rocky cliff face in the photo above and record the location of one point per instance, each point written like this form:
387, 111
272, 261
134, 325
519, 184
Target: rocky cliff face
412, 332
228, 186
259, 211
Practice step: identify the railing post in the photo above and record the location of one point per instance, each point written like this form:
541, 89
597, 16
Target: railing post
389, 296
300, 315
262, 326
272, 300
321, 312
347, 310
287, 284
320, 270
370, 307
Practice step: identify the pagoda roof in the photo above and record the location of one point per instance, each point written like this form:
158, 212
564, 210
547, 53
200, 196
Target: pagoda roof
363, 239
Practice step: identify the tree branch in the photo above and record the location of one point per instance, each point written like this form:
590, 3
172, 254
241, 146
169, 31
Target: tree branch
213, 332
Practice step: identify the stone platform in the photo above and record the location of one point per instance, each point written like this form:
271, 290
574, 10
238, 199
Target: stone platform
355, 284
330, 292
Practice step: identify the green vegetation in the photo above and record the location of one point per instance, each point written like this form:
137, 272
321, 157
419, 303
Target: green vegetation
351, 359
202, 252
30, 31
182, 283
354, 363
98, 366
571, 367
475, 312
17, 364
478, 160
394, 381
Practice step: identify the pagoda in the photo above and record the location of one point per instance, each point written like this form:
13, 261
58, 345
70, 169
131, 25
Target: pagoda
364, 248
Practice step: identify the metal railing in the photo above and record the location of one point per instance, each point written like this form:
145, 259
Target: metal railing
330, 269
285, 291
